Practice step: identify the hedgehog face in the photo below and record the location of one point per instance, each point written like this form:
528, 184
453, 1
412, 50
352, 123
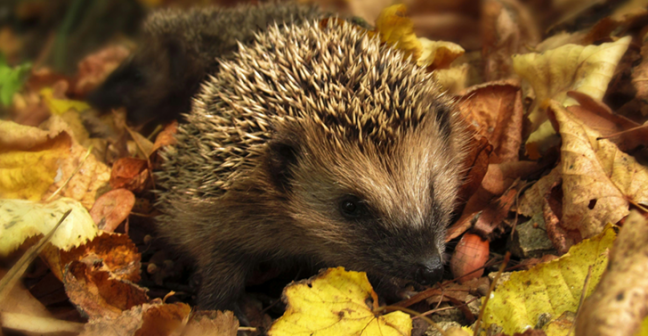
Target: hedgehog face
374, 208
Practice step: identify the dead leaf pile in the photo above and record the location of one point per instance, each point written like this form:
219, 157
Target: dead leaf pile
552, 93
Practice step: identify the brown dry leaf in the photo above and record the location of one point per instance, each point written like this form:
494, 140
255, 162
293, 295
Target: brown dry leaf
507, 29
129, 173
166, 137
490, 223
112, 208
94, 68
111, 252
130, 322
96, 293
157, 318
623, 132
498, 178
598, 179
476, 162
618, 304
531, 202
30, 160
495, 111
211, 323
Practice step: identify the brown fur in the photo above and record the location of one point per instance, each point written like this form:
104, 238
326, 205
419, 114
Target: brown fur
290, 130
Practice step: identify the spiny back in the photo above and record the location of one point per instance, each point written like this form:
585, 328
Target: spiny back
334, 77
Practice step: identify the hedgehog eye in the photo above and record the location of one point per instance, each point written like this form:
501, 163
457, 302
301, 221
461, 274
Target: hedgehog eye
352, 207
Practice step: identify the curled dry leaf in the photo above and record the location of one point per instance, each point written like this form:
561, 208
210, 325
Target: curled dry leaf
24, 219
112, 252
438, 54
397, 29
570, 67
469, 257
156, 318
337, 302
96, 293
112, 208
495, 111
129, 173
166, 137
598, 179
619, 302
497, 180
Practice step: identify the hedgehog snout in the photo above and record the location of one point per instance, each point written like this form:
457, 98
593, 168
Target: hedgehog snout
430, 271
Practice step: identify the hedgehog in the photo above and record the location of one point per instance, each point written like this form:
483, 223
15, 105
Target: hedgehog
179, 49
315, 145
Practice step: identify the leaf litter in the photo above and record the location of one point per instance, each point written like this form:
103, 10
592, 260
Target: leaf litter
554, 96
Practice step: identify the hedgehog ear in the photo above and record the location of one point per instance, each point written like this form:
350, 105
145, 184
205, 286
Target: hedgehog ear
282, 155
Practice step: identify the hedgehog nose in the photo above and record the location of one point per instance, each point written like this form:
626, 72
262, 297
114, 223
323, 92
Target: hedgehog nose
429, 271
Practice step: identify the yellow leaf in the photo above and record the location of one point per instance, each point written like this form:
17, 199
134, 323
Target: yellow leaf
60, 106
585, 69
554, 287
617, 306
598, 178
23, 219
438, 54
452, 80
337, 303
29, 160
397, 29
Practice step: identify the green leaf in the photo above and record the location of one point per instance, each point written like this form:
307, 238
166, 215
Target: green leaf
11, 80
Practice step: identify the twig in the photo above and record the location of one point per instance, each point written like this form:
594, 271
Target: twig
11, 278
507, 257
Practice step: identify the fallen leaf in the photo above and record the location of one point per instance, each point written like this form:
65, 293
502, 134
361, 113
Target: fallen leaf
618, 304
129, 173
112, 208
111, 252
531, 201
96, 293
337, 302
438, 54
397, 29
555, 72
29, 160
495, 111
498, 178
26, 219
59, 106
454, 79
11, 80
598, 179
157, 318
554, 287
